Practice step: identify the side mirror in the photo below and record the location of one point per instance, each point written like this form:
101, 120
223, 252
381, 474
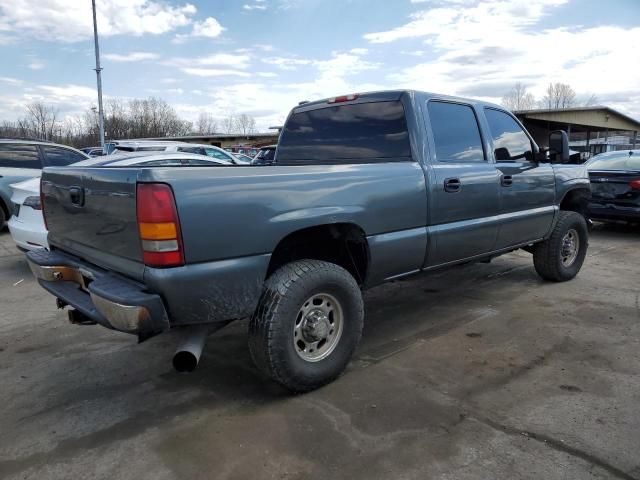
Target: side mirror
502, 154
559, 146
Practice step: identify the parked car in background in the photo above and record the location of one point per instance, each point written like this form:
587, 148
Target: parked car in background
24, 159
171, 146
93, 151
157, 159
266, 156
207, 150
244, 149
243, 159
145, 146
27, 224
615, 186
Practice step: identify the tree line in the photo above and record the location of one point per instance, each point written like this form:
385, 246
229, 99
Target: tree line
557, 95
137, 118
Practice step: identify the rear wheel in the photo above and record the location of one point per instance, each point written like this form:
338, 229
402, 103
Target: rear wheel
307, 324
560, 257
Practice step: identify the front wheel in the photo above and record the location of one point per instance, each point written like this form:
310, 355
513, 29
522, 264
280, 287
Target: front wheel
560, 257
307, 324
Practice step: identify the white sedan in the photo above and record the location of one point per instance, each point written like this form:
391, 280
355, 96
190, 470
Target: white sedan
27, 225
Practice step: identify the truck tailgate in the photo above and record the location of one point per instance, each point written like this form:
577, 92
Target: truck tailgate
91, 212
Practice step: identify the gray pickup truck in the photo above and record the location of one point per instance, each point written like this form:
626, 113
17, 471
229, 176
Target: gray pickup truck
365, 189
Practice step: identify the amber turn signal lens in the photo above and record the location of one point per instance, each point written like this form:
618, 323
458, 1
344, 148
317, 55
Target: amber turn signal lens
158, 231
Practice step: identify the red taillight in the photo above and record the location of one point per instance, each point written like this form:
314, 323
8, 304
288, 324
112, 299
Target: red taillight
44, 217
635, 184
343, 98
159, 225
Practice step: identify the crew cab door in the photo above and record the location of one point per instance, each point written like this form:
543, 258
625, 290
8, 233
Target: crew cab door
463, 187
527, 187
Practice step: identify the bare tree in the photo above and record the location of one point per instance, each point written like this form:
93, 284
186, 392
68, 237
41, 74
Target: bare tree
591, 101
43, 119
228, 124
559, 95
245, 124
518, 98
206, 124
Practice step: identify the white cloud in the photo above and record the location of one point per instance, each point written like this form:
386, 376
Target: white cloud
210, 27
36, 65
71, 20
484, 47
238, 62
255, 6
213, 72
270, 103
286, 63
489, 17
11, 80
131, 57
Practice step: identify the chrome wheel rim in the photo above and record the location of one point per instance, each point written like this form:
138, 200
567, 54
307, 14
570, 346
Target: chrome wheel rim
318, 327
570, 247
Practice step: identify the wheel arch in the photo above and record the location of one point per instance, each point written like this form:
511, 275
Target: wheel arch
343, 243
575, 200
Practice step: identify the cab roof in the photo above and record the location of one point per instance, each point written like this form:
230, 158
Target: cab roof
386, 96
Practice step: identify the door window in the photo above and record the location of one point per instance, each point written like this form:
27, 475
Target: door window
19, 155
455, 132
60, 157
510, 143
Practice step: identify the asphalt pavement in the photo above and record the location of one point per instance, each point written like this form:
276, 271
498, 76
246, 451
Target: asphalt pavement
482, 371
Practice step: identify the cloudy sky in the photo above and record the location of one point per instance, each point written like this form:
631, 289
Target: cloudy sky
261, 57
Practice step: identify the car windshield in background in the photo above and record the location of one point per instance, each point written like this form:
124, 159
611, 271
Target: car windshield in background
623, 161
358, 132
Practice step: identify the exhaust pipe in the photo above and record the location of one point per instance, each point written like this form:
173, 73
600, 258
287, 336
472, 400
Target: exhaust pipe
188, 353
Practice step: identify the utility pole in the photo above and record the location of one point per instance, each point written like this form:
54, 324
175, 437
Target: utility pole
98, 70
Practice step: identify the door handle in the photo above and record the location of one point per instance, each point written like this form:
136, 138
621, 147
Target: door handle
506, 180
452, 185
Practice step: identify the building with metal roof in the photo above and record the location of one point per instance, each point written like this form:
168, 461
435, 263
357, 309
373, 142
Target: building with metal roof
591, 129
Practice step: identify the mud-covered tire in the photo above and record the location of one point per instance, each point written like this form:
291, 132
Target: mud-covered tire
549, 256
272, 327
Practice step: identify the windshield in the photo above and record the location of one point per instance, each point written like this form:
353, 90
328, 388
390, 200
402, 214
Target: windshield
618, 161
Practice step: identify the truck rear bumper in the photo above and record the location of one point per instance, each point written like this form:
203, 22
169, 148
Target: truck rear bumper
107, 299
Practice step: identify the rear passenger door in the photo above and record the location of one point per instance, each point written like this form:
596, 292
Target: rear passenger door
464, 192
527, 187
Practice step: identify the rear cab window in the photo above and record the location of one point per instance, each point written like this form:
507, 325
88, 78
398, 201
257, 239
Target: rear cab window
343, 134
456, 134
19, 155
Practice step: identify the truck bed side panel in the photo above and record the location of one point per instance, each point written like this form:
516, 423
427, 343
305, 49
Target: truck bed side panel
247, 210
